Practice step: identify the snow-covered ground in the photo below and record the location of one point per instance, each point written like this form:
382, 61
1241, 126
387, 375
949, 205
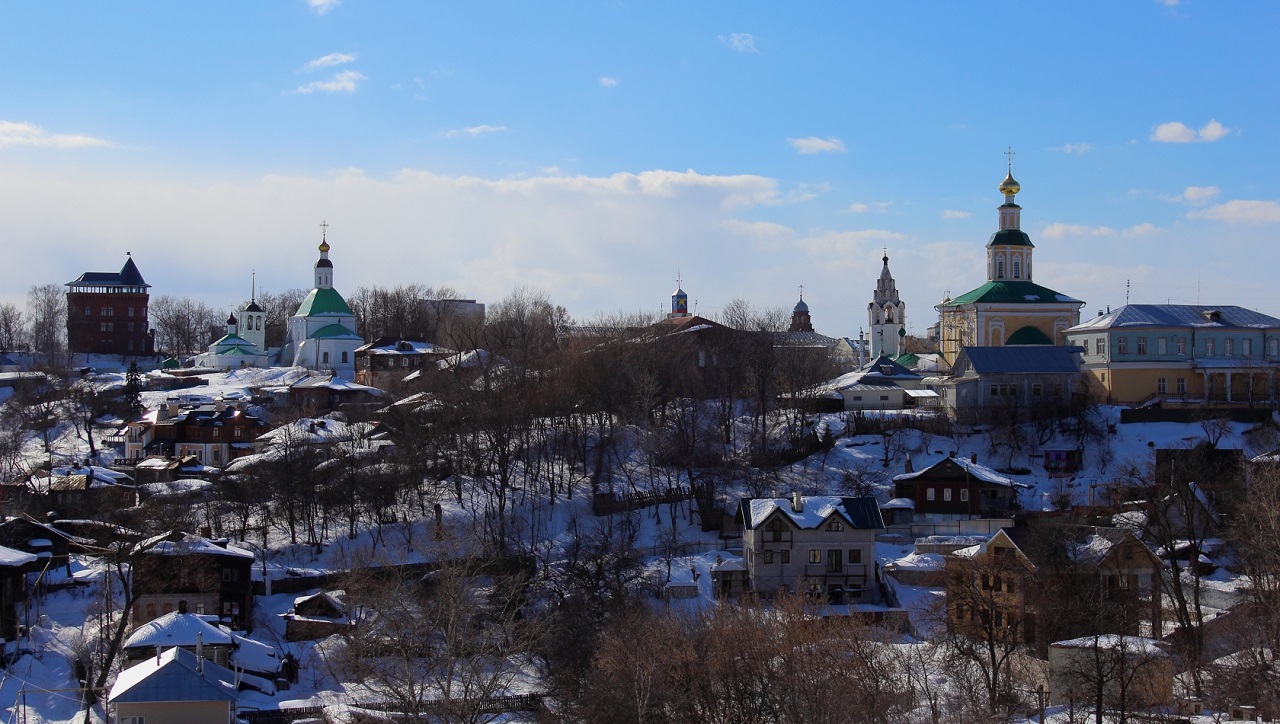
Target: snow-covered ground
42, 682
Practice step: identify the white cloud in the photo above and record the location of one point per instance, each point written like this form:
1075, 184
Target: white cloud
320, 7
741, 42
596, 243
954, 214
1142, 229
344, 81
1241, 212
1060, 230
813, 144
13, 133
1199, 194
847, 242
474, 131
328, 61
859, 207
1178, 132
1074, 148
608, 81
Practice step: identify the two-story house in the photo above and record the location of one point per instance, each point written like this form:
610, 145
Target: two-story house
179, 571
1009, 383
957, 489
1181, 353
821, 544
387, 361
1046, 583
214, 434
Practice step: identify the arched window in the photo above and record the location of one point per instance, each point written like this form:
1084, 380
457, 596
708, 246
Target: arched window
1017, 269
1000, 269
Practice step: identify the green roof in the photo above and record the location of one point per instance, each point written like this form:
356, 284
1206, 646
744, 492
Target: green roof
1028, 335
1010, 237
234, 339
332, 330
906, 360
322, 301
1011, 293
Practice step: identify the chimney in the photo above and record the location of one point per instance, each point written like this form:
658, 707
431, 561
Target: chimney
158, 652
182, 606
973, 458
797, 505
952, 454
909, 467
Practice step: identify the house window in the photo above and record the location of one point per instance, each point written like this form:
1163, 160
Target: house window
836, 526
217, 432
237, 433
344, 358
1246, 347
131, 720
1181, 346
1273, 347
768, 558
946, 494
324, 358
1210, 347
130, 311
964, 495
88, 311
815, 555
775, 530
1162, 345
230, 574
1229, 347
884, 397
1161, 385
1142, 345
702, 358
786, 557
1037, 389
1100, 346
855, 555
1122, 345
104, 311
1182, 385
835, 560
929, 494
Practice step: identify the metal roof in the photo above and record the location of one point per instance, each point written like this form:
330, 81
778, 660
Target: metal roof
1178, 315
1035, 359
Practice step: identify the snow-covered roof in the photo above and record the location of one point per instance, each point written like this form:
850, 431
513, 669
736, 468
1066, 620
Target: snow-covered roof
899, 504
977, 470
177, 629
815, 510
174, 675
255, 656
188, 544
11, 558
1112, 642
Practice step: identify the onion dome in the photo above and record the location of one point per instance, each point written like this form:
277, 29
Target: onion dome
231, 319
1008, 186
801, 307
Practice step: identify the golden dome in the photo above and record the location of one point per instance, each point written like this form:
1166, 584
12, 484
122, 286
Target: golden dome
324, 247
1008, 186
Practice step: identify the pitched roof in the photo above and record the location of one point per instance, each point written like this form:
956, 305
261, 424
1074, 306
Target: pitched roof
1008, 292
175, 675
1034, 359
1010, 237
975, 470
1178, 315
177, 629
861, 513
128, 276
322, 301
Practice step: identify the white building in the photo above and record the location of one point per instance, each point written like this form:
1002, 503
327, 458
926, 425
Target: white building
322, 333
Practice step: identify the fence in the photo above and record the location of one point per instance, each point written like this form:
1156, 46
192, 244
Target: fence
486, 705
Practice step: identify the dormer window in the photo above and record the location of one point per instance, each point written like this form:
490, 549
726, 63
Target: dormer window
775, 529
835, 526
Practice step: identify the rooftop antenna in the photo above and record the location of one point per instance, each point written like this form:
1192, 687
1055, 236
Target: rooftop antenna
253, 285
1126, 292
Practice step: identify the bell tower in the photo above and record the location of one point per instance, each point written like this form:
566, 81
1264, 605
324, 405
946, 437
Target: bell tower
886, 315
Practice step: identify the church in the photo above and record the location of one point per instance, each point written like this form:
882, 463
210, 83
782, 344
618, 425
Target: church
244, 344
322, 333
1010, 308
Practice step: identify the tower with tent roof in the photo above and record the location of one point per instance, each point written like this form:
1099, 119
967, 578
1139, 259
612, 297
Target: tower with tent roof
887, 315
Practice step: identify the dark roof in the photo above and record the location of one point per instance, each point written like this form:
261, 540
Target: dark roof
1005, 292
1178, 315
253, 307
1036, 359
1010, 237
324, 263
128, 276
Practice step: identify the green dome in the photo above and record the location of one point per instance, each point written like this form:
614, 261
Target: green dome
322, 301
332, 330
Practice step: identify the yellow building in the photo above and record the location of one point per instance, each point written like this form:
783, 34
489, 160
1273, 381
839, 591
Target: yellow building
1009, 309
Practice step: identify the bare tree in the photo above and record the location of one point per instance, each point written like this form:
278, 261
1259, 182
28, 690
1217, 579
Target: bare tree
47, 320
183, 325
11, 327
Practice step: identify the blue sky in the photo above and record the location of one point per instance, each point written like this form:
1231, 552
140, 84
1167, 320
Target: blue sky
591, 150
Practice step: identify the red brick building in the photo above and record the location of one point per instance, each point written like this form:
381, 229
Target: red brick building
107, 313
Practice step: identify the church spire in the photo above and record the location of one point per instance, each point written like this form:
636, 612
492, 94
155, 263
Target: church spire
324, 267
1009, 250
679, 300
886, 313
